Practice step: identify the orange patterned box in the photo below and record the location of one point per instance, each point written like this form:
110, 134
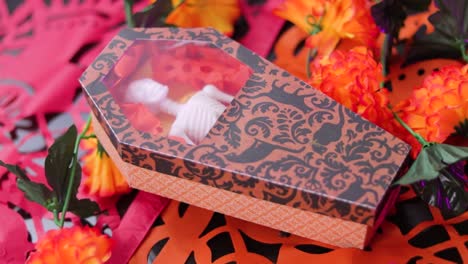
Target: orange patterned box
194, 116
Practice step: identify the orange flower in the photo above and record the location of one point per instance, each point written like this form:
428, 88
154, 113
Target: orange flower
102, 177
440, 105
329, 21
219, 14
353, 78
302, 13
76, 245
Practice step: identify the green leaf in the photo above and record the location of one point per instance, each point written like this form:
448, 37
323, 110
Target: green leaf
450, 32
420, 170
431, 46
15, 169
33, 191
431, 160
154, 15
444, 178
453, 14
83, 207
58, 164
449, 154
37, 192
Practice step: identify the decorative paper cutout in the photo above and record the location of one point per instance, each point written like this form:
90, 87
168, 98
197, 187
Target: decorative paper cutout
416, 232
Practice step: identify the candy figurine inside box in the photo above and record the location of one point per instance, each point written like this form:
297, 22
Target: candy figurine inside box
194, 116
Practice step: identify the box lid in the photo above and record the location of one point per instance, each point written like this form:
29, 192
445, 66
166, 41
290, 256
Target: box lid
279, 140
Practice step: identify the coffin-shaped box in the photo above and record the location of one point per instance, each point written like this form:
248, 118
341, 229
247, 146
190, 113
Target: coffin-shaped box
194, 116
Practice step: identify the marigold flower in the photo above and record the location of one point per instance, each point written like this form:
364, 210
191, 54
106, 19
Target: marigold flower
102, 177
76, 245
437, 108
353, 79
435, 111
219, 14
329, 21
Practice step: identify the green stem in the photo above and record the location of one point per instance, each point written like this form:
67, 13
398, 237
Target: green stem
100, 149
129, 13
310, 56
56, 218
311, 53
73, 171
420, 139
386, 45
88, 137
463, 50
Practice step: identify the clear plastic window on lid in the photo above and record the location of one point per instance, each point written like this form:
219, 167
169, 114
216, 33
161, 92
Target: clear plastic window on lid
176, 89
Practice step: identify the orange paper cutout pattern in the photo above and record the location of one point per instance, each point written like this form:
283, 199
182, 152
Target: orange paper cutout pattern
188, 234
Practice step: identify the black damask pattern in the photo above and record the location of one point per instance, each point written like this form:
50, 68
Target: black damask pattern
291, 140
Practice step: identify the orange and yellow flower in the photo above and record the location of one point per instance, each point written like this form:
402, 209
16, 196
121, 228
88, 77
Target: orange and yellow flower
102, 177
219, 14
353, 79
330, 21
76, 245
440, 105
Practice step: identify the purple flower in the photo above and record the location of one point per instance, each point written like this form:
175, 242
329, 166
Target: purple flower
448, 191
439, 177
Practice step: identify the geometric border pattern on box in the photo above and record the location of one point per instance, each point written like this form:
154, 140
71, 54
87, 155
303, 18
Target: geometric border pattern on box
333, 231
